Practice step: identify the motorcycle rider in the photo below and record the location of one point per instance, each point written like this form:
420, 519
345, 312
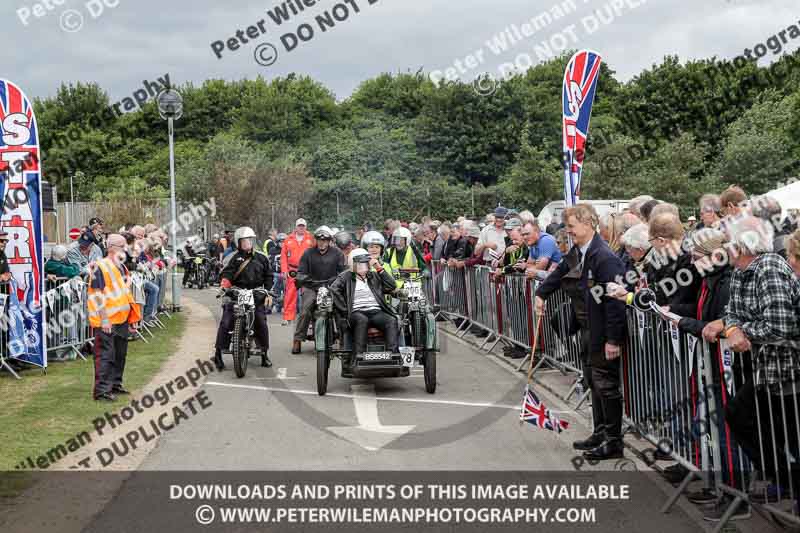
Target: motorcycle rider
188, 263
319, 263
374, 243
247, 270
359, 297
275, 264
344, 241
403, 253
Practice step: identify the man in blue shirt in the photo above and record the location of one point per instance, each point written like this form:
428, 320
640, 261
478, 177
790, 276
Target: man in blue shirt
543, 250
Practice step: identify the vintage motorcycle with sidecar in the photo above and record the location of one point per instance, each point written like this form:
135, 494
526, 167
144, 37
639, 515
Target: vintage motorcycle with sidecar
418, 339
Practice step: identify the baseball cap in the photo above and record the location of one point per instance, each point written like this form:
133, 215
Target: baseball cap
300, 222
85, 241
473, 231
513, 223
95, 220
500, 211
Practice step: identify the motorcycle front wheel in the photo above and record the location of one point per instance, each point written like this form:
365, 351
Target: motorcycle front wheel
241, 347
323, 364
429, 360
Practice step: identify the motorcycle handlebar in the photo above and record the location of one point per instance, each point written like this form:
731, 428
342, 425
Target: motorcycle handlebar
224, 292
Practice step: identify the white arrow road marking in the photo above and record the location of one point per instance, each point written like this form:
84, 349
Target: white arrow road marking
370, 434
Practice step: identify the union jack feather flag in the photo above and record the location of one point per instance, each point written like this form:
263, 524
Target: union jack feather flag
535, 413
21, 219
580, 82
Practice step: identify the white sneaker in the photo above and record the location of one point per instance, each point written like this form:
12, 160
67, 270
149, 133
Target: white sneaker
284, 323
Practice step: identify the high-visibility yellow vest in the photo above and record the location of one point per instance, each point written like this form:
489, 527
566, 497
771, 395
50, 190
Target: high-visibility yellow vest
409, 261
115, 298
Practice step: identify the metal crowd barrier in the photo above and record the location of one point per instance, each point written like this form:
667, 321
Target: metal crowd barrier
453, 301
517, 315
482, 303
759, 456
66, 314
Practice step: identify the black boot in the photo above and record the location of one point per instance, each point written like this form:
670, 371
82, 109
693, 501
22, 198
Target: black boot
218, 361
594, 440
265, 360
610, 449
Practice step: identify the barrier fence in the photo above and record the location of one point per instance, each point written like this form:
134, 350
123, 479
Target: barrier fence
66, 313
680, 393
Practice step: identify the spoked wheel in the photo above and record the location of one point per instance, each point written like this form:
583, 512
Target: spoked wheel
241, 348
323, 365
429, 360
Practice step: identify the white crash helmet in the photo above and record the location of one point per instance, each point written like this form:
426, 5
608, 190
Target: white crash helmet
373, 237
359, 255
323, 232
245, 232
402, 233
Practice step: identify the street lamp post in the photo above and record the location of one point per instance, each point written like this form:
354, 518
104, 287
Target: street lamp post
170, 107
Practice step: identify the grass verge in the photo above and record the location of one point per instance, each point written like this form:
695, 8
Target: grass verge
43, 410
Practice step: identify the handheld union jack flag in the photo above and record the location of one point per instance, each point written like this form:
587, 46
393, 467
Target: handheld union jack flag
577, 97
535, 413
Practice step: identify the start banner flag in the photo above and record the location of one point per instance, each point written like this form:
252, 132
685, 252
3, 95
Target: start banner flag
577, 97
22, 220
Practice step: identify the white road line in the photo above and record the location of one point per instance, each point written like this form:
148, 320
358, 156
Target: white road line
381, 398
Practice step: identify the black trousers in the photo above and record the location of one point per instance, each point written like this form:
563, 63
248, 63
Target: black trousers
607, 398
110, 352
597, 406
308, 302
753, 428
360, 321
226, 325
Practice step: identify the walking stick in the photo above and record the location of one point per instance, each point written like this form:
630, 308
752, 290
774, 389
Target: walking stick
530, 367
533, 347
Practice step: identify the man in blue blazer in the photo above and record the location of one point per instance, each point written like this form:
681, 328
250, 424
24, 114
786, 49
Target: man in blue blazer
598, 265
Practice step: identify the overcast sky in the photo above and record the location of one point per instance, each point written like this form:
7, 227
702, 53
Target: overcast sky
143, 39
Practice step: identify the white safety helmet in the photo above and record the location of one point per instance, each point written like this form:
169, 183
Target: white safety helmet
373, 237
401, 233
245, 232
323, 232
359, 255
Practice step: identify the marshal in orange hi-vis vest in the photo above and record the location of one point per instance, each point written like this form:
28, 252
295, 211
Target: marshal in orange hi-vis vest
115, 297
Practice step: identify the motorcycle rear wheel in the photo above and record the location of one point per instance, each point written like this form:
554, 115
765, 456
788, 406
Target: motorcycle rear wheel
241, 348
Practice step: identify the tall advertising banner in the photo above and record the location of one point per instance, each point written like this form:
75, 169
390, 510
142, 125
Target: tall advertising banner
22, 220
577, 97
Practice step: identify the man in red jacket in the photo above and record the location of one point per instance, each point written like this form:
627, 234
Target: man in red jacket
293, 248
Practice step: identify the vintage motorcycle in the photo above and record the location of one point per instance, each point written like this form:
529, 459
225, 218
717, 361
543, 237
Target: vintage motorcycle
243, 344
418, 342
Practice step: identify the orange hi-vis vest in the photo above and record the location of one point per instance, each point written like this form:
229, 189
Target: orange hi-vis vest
115, 298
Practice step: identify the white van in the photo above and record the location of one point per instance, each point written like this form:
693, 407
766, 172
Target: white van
552, 211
